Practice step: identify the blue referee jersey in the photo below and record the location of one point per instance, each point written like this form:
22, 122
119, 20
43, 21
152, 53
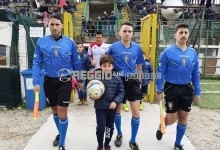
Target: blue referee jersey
178, 67
55, 56
126, 59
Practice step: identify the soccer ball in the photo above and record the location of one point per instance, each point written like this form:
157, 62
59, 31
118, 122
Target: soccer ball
171, 13
95, 89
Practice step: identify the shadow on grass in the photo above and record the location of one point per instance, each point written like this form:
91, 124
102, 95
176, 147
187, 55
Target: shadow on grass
210, 101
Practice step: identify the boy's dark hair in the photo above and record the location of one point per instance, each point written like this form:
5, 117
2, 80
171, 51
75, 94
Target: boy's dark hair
99, 32
127, 23
106, 59
57, 16
77, 43
181, 25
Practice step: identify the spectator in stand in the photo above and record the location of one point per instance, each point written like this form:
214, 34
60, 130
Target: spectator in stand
50, 10
5, 2
56, 10
84, 27
139, 7
47, 2
208, 3
46, 17
209, 14
53, 2
90, 28
153, 2
147, 3
73, 4
119, 7
196, 13
144, 12
202, 2
98, 24
70, 7
112, 22
105, 19
22, 11
131, 5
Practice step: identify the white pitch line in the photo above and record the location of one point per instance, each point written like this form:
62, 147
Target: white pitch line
210, 91
210, 83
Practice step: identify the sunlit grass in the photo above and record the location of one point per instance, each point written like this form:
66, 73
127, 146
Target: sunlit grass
210, 100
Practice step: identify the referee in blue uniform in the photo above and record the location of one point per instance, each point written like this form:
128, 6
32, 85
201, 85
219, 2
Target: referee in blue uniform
179, 68
58, 54
128, 60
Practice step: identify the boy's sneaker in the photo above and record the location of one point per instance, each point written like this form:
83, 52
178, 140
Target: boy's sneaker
133, 146
99, 148
159, 134
61, 148
85, 102
178, 147
56, 141
125, 107
80, 102
107, 147
118, 140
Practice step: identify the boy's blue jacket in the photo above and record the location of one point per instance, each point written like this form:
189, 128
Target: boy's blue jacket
114, 92
147, 72
85, 62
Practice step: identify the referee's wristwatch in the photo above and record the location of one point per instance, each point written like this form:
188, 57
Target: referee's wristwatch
80, 81
159, 92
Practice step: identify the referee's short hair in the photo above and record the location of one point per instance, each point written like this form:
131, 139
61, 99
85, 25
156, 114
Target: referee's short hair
181, 25
57, 16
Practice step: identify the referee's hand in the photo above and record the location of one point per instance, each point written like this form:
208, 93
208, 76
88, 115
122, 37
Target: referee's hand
159, 96
79, 86
36, 88
196, 99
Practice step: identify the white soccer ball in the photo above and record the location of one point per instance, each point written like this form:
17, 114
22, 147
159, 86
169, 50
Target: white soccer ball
171, 13
95, 89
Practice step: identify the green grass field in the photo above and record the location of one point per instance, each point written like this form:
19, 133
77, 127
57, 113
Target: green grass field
209, 98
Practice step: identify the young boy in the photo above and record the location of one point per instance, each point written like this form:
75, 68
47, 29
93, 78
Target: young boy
85, 66
106, 105
147, 76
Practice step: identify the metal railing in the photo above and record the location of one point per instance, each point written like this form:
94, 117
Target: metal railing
116, 13
86, 10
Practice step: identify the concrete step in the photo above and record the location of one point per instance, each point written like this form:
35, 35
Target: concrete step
77, 13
